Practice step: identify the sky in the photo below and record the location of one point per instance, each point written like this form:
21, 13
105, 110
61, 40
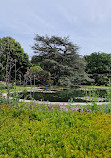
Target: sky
86, 22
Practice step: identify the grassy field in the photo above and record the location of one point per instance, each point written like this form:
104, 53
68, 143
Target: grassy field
31, 131
18, 88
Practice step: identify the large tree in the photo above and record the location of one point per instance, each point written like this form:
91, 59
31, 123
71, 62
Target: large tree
99, 66
60, 57
11, 53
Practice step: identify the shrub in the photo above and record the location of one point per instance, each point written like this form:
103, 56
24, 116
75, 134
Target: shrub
40, 131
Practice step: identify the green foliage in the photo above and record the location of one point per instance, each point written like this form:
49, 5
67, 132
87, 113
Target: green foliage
38, 132
108, 92
2, 100
2, 71
99, 65
9, 45
65, 81
59, 56
2, 86
35, 70
39, 74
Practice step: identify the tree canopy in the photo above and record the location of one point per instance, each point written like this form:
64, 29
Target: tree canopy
60, 57
11, 50
99, 65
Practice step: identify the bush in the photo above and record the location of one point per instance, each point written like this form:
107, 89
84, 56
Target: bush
40, 131
2, 86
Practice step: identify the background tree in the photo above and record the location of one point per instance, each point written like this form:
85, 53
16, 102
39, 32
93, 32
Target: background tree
16, 52
60, 57
99, 67
39, 75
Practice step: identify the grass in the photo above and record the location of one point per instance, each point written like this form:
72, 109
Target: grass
33, 130
22, 88
94, 87
18, 88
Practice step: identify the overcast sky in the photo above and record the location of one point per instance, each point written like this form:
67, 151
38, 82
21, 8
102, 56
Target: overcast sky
86, 22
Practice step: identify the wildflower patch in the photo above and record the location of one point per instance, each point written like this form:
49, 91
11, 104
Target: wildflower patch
40, 131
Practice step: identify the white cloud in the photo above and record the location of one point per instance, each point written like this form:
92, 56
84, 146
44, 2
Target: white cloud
87, 22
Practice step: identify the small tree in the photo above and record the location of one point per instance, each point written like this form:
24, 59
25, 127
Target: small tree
38, 74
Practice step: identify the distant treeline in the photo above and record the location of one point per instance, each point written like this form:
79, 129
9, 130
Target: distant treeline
56, 62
